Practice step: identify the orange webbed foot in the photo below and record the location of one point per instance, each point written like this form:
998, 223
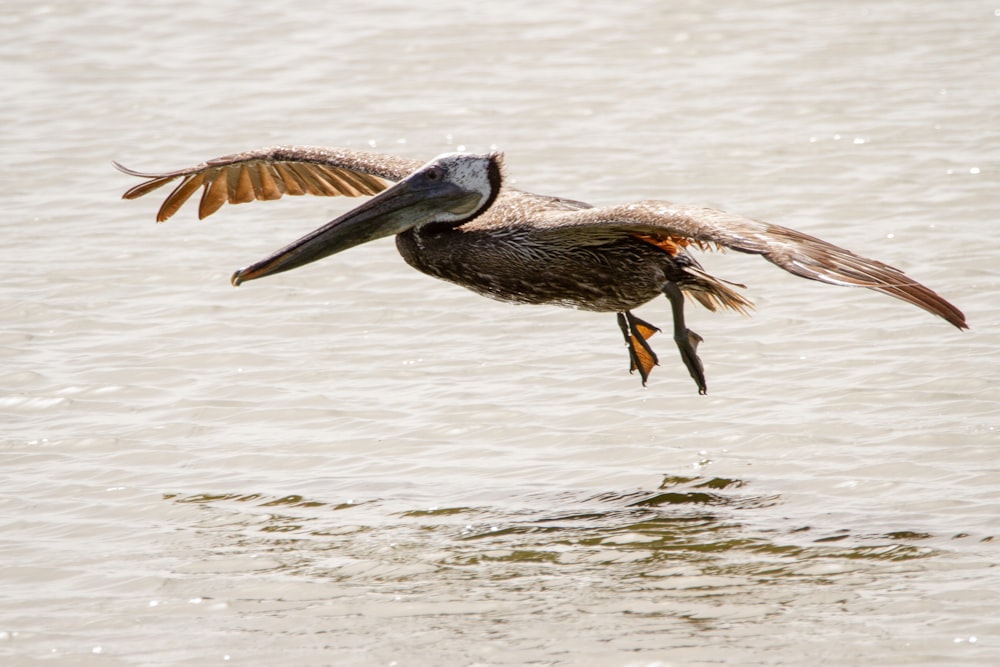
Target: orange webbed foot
641, 355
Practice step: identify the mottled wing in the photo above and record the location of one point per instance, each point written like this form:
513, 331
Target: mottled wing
803, 255
271, 173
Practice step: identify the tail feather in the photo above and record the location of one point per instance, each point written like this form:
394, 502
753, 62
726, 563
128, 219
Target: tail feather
713, 293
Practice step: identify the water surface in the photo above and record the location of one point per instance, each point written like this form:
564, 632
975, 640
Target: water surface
355, 464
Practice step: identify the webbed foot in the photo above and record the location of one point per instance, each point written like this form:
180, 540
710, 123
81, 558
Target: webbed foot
688, 346
641, 355
687, 340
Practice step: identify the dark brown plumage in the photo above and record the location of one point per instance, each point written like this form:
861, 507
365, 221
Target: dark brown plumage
454, 220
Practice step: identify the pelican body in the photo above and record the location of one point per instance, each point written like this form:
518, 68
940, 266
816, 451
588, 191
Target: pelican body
454, 219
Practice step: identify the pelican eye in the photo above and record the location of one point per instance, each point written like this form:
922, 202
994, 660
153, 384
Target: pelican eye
435, 173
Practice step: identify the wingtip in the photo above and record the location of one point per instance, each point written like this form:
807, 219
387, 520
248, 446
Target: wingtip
128, 194
957, 317
131, 172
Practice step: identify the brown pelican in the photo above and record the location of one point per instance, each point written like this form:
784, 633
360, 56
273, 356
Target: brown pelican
454, 219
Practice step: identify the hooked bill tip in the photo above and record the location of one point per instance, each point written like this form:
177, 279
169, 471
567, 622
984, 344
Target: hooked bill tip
236, 278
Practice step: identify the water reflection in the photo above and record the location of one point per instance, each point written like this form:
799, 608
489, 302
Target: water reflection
691, 529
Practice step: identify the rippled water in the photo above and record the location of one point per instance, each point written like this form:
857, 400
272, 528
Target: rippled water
355, 464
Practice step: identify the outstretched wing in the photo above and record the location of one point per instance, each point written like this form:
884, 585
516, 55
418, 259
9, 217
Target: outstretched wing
668, 225
270, 173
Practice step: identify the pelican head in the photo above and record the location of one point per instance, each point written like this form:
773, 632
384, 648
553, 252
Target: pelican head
448, 191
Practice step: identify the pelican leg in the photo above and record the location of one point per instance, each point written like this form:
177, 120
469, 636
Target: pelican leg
641, 355
687, 340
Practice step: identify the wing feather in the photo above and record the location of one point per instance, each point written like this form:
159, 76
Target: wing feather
315, 180
361, 181
180, 194
265, 182
293, 184
342, 181
270, 173
241, 189
215, 194
800, 254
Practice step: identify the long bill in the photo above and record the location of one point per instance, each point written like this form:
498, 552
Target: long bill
397, 209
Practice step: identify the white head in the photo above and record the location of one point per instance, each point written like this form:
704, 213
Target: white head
457, 187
